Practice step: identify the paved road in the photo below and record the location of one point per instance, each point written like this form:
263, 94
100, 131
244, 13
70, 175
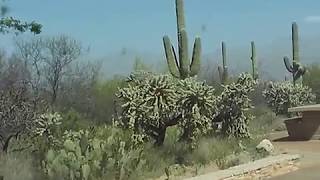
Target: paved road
310, 162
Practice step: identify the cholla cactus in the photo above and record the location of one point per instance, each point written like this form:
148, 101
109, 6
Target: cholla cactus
148, 106
46, 122
232, 107
284, 95
155, 102
197, 103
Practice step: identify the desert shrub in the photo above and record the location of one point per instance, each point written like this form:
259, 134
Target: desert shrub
175, 154
104, 99
225, 152
311, 79
17, 114
283, 95
233, 107
15, 166
46, 132
73, 120
213, 149
152, 103
256, 95
264, 120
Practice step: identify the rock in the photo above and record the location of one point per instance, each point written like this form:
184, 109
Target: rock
265, 145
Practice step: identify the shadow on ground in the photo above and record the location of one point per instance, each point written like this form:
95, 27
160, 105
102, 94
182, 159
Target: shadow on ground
288, 139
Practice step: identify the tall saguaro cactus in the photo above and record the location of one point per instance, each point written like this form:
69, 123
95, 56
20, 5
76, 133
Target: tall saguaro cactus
223, 71
180, 66
255, 73
296, 69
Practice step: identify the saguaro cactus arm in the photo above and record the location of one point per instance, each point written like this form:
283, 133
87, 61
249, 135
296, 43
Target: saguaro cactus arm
196, 57
289, 67
171, 57
180, 67
295, 68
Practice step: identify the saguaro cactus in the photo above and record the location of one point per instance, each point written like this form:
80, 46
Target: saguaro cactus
296, 69
223, 71
181, 68
255, 73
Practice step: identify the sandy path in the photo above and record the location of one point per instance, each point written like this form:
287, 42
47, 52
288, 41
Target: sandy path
309, 166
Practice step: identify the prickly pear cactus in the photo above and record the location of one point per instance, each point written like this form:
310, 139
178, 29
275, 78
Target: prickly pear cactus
91, 155
75, 159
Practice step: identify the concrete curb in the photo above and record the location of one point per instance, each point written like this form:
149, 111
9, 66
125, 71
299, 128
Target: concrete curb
245, 168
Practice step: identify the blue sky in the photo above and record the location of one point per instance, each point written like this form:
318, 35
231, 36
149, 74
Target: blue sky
107, 26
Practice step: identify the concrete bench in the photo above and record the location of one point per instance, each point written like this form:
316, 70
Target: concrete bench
304, 127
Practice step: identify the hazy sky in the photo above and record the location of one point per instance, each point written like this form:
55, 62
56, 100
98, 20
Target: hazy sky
107, 26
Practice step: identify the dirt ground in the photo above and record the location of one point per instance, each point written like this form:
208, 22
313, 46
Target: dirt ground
309, 165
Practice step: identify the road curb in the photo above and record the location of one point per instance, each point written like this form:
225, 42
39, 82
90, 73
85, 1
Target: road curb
246, 168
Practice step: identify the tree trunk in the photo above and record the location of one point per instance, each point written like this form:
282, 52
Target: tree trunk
161, 136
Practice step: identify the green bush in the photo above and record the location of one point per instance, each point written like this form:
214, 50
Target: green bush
256, 95
104, 99
283, 95
16, 166
312, 80
73, 120
264, 120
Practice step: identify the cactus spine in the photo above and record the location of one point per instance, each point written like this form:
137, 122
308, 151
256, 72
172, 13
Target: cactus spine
255, 73
223, 71
296, 69
181, 68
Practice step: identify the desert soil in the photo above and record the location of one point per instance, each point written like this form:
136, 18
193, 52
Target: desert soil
309, 164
